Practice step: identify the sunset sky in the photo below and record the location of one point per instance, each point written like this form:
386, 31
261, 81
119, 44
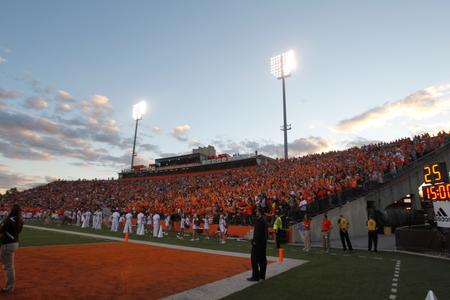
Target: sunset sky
70, 72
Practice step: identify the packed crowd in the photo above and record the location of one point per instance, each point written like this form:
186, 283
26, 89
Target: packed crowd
290, 187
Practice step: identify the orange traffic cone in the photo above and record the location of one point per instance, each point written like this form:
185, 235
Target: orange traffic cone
126, 236
280, 255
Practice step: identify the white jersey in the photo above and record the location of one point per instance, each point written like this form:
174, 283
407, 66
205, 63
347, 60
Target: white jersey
194, 221
115, 221
140, 218
206, 223
156, 219
183, 223
128, 225
140, 224
222, 225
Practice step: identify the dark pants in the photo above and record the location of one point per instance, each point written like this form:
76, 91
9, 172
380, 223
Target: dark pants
259, 262
278, 238
373, 237
345, 238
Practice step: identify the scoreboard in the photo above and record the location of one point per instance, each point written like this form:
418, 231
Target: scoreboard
438, 186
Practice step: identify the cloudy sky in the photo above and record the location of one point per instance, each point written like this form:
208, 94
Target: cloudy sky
71, 71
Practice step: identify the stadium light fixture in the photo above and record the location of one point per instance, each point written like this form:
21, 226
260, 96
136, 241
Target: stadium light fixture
281, 66
139, 110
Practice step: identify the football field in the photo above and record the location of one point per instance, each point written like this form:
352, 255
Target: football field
97, 264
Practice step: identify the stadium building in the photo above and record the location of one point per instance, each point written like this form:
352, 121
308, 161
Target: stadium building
201, 159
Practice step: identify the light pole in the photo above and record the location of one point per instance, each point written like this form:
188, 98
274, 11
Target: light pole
138, 112
281, 67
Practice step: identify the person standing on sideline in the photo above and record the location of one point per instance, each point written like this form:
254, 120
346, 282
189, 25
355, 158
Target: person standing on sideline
222, 228
140, 223
277, 229
306, 233
259, 246
372, 230
343, 232
127, 227
87, 219
206, 226
156, 219
99, 219
115, 221
180, 235
78, 218
10, 230
326, 227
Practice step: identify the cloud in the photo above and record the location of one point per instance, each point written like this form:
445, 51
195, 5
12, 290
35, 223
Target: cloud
63, 95
49, 179
149, 148
36, 103
36, 85
156, 129
5, 50
194, 143
2, 60
5, 94
10, 179
17, 151
180, 132
359, 141
64, 107
298, 147
422, 104
100, 100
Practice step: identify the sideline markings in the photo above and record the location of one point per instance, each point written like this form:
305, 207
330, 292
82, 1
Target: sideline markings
394, 285
214, 290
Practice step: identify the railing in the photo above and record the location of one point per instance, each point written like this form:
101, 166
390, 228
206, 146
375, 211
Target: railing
320, 206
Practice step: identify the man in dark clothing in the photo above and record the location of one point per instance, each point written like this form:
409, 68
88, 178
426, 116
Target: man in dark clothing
259, 245
9, 231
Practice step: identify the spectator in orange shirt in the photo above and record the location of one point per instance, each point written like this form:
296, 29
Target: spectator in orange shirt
326, 228
306, 233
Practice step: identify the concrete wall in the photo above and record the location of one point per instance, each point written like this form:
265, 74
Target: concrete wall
355, 212
407, 182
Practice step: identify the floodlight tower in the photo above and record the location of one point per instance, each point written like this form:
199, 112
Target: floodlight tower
282, 66
138, 111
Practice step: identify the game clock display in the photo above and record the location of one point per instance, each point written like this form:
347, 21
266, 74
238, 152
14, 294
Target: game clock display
436, 192
438, 188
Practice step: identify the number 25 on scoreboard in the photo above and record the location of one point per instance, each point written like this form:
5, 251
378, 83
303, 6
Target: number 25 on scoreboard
435, 173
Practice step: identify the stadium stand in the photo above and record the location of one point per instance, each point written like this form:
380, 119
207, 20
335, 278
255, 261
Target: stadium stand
321, 181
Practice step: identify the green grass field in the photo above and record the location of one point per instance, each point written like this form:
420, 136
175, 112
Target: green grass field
338, 275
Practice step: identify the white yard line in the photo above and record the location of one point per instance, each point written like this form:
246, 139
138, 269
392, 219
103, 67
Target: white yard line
394, 286
214, 290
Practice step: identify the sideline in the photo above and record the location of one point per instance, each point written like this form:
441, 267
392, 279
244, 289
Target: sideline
384, 250
214, 290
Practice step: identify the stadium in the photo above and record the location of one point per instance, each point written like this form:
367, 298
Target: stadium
353, 204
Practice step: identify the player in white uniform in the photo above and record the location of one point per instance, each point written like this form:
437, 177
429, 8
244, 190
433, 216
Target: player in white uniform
222, 229
98, 225
87, 219
180, 235
195, 228
156, 219
140, 223
94, 219
115, 221
168, 224
78, 218
206, 226
128, 226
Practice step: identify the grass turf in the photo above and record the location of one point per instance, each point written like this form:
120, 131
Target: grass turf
339, 275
